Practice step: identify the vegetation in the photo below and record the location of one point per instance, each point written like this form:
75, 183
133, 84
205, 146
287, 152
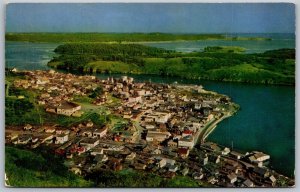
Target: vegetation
38, 169
225, 49
132, 178
215, 63
117, 37
20, 106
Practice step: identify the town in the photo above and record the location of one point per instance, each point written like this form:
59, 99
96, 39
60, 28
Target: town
157, 128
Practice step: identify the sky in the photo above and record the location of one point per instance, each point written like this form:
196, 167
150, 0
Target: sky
154, 17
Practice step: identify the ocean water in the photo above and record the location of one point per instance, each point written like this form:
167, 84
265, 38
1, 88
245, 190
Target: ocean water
278, 41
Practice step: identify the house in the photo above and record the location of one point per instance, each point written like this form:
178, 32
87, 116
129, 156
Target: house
76, 170
89, 143
187, 132
158, 116
248, 183
50, 129
212, 180
24, 139
130, 157
158, 136
100, 158
135, 99
140, 92
139, 166
62, 138
97, 151
198, 175
100, 132
204, 161
185, 171
226, 151
162, 163
236, 155
149, 125
232, 177
197, 106
187, 141
67, 108
13, 70
89, 124
262, 172
170, 161
27, 127
172, 143
273, 180
259, 158
45, 138
87, 133
183, 152
156, 151
173, 168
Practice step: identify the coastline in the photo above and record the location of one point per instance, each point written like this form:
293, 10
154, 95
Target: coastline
211, 127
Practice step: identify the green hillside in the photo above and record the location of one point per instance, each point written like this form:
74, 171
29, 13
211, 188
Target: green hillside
28, 169
214, 63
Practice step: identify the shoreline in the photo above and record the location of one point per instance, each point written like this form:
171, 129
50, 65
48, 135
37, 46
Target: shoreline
211, 127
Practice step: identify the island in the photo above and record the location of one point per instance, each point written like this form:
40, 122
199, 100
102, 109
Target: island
84, 131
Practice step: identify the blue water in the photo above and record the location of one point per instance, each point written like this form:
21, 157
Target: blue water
265, 122
28, 56
278, 41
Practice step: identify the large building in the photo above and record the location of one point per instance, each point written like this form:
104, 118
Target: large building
67, 108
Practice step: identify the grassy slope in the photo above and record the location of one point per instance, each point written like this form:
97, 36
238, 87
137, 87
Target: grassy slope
28, 169
111, 66
245, 71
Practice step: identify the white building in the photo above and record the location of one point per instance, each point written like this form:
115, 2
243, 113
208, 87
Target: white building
67, 108
187, 141
60, 139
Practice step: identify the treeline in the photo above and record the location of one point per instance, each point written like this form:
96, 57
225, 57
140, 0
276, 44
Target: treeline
74, 56
110, 50
107, 37
215, 63
119, 37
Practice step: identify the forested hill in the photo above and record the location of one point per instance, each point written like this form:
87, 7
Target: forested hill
118, 37
214, 63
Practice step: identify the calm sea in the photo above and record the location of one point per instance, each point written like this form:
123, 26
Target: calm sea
278, 41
